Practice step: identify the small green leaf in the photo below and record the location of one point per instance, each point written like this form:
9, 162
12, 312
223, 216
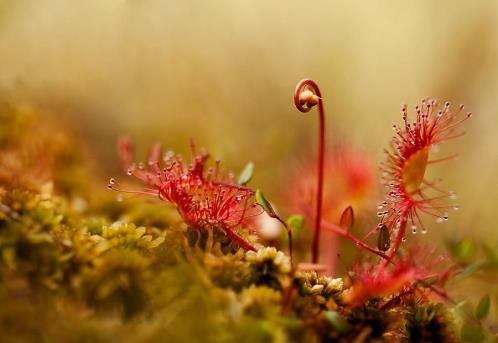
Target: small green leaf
347, 218
464, 251
265, 204
384, 241
471, 333
337, 322
296, 221
482, 309
469, 270
246, 174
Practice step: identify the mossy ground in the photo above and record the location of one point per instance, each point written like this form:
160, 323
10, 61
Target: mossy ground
78, 266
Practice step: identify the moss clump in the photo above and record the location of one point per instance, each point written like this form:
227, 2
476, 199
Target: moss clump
428, 323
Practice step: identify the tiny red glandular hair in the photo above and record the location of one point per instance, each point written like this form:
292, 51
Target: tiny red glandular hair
409, 193
205, 199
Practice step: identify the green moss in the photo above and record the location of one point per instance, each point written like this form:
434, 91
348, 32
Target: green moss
428, 323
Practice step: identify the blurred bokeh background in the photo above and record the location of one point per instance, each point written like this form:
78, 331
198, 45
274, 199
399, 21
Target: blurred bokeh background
223, 73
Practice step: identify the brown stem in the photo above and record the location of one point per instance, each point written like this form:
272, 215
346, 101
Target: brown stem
304, 101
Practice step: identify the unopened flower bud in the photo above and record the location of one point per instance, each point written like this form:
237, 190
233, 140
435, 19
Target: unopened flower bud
308, 98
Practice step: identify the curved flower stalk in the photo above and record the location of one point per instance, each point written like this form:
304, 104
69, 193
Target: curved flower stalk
205, 199
306, 96
410, 194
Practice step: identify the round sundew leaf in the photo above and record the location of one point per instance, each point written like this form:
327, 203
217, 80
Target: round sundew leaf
265, 204
296, 221
347, 218
384, 241
246, 174
482, 309
414, 170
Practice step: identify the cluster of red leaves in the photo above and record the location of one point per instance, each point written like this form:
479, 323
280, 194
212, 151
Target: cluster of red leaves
380, 280
205, 199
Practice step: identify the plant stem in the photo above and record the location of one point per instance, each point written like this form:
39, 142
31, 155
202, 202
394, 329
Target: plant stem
289, 235
304, 105
343, 232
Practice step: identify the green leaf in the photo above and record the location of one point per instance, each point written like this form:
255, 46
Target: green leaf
296, 221
464, 251
265, 204
246, 174
337, 322
469, 270
471, 333
384, 240
482, 309
347, 218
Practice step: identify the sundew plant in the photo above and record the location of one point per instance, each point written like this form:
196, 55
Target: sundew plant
177, 249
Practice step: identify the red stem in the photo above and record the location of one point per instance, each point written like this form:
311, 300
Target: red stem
343, 232
305, 107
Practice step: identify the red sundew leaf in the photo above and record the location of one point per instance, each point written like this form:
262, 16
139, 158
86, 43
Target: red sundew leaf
408, 191
224, 204
347, 218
